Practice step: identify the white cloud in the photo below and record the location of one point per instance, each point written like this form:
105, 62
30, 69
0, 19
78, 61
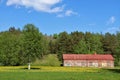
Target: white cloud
111, 20
39, 5
60, 15
88, 25
48, 6
70, 12
112, 30
67, 13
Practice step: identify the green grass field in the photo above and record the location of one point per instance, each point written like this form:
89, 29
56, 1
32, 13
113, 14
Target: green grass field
58, 73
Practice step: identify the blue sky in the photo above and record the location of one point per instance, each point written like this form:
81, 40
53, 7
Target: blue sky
55, 16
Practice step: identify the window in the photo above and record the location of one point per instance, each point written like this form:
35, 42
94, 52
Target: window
83, 64
108, 64
93, 64
104, 64
67, 64
90, 64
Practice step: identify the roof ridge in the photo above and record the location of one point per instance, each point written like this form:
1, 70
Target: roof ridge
87, 57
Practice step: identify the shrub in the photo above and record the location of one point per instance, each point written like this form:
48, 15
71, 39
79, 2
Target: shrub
48, 60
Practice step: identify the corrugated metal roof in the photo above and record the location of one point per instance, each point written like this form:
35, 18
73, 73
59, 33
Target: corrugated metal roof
87, 57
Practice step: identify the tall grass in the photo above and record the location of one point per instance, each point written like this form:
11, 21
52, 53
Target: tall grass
48, 60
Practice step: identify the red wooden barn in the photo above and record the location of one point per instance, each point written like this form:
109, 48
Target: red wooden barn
88, 60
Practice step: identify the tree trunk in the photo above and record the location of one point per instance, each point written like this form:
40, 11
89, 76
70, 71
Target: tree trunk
28, 66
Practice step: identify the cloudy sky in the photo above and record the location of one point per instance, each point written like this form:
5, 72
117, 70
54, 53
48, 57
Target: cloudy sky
55, 16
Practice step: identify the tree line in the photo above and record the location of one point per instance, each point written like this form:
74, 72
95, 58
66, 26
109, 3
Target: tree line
19, 47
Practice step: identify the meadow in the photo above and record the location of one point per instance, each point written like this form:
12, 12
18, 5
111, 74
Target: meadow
58, 73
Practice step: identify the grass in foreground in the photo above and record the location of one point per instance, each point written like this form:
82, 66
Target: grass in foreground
58, 73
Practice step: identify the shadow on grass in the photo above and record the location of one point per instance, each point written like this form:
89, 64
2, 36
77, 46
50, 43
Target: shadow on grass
114, 70
31, 68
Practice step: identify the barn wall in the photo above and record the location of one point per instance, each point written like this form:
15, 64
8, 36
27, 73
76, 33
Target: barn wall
89, 63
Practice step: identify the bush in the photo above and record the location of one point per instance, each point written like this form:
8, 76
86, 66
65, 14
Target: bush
48, 60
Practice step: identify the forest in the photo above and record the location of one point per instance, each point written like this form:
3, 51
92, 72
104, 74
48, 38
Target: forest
18, 47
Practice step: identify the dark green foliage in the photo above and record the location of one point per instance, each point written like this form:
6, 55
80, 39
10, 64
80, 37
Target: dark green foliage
109, 43
52, 46
90, 43
10, 47
81, 47
32, 43
63, 44
18, 47
117, 50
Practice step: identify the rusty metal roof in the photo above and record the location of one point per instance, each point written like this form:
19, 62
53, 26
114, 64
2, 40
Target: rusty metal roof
87, 57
